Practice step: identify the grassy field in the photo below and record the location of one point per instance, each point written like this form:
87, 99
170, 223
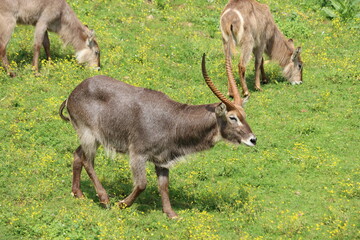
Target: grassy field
302, 180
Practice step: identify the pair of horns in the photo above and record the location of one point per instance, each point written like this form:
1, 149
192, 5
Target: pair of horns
237, 99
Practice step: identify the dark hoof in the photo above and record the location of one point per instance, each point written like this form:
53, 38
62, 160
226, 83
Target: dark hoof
122, 205
106, 205
37, 74
78, 194
11, 74
173, 217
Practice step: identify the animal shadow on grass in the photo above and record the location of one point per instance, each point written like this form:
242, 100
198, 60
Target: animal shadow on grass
24, 57
273, 75
180, 197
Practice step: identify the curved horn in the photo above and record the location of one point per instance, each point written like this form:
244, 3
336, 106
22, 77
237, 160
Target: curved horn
231, 78
218, 94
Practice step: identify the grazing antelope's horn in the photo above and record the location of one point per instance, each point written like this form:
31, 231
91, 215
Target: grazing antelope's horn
218, 94
231, 78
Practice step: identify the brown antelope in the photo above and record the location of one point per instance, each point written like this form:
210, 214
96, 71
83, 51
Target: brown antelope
149, 126
52, 15
250, 25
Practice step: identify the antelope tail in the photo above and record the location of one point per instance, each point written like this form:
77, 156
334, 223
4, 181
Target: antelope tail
232, 40
62, 106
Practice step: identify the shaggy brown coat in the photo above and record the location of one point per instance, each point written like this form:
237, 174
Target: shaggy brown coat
250, 25
52, 15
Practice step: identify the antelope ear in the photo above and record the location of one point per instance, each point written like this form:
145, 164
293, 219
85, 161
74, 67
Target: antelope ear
90, 35
220, 110
296, 54
291, 42
244, 101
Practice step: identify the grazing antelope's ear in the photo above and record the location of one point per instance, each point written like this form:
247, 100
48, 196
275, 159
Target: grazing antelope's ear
220, 110
91, 34
296, 54
291, 42
244, 101
90, 37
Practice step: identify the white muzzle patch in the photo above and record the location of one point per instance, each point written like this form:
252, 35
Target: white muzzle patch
250, 141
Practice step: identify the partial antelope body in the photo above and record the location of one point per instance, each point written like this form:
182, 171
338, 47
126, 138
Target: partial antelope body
52, 15
150, 127
250, 25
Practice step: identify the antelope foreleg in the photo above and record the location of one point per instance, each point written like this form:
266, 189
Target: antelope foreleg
263, 75
258, 60
46, 45
40, 32
163, 181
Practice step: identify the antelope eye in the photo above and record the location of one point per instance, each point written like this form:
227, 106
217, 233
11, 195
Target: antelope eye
233, 119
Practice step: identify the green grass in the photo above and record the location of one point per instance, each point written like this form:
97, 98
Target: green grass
302, 180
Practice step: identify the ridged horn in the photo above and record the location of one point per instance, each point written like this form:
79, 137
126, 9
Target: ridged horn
231, 79
218, 94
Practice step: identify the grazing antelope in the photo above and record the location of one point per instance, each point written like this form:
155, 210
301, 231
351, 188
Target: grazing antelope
250, 25
52, 15
150, 127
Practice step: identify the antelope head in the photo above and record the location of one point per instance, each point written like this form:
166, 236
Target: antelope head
90, 54
231, 115
293, 70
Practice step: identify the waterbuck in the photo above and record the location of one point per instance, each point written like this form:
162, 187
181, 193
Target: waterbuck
250, 25
52, 15
150, 127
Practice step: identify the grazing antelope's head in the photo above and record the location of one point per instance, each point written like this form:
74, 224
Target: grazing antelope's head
90, 54
293, 70
231, 115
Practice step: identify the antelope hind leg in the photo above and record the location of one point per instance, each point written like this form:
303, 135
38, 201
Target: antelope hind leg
77, 167
87, 162
244, 87
244, 60
138, 168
